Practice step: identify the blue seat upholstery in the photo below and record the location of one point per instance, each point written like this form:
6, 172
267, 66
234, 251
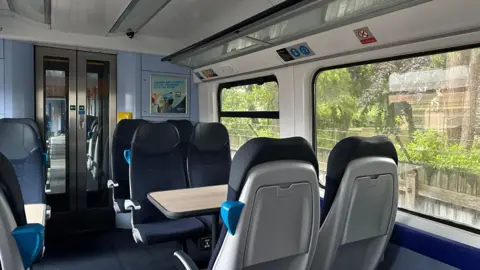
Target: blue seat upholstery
11, 190
185, 130
168, 230
20, 144
33, 125
209, 158
122, 138
156, 165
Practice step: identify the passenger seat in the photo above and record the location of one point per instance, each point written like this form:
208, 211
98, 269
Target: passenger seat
156, 165
272, 211
360, 204
185, 129
209, 158
20, 144
21, 242
122, 138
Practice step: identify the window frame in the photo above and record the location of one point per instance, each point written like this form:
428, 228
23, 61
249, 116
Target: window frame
382, 60
245, 114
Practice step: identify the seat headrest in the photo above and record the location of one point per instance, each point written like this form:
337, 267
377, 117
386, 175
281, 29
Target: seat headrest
210, 136
18, 139
352, 148
126, 128
262, 150
155, 138
185, 129
11, 190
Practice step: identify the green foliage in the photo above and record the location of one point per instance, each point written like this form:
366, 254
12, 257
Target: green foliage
355, 101
432, 148
250, 98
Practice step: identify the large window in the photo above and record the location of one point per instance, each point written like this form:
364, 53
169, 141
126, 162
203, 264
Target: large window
429, 107
249, 109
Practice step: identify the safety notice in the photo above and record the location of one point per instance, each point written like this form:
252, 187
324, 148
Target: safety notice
364, 35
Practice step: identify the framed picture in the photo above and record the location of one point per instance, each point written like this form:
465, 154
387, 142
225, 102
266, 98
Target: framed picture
168, 94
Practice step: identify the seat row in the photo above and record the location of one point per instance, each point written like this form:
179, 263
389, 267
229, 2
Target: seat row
148, 157
273, 218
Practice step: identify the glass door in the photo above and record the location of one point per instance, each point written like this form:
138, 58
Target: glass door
97, 104
76, 108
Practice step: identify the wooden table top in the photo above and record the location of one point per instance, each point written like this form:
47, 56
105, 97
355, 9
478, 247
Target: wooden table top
35, 213
189, 202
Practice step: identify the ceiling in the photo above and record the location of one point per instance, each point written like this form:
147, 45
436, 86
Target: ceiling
179, 23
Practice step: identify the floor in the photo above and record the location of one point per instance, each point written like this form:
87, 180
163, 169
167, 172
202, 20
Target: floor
111, 250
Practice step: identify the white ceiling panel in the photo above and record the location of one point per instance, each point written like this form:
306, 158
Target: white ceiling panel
93, 17
193, 20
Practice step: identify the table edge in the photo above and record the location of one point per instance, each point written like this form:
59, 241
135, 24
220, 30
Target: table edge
183, 214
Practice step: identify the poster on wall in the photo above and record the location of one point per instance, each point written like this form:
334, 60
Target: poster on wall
168, 94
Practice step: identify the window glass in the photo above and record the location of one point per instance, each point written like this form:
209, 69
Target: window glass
429, 107
251, 97
249, 110
242, 130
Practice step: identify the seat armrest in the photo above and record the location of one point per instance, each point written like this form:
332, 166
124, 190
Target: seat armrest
112, 184
132, 205
187, 262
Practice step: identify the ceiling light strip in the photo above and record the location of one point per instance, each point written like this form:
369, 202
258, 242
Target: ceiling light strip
131, 6
124, 14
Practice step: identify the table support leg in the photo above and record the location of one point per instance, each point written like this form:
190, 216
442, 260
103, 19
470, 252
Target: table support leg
214, 230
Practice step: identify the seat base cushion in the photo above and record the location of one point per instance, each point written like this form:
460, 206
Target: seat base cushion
168, 230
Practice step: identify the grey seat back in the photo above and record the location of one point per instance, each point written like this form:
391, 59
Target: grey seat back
12, 214
20, 144
360, 204
276, 180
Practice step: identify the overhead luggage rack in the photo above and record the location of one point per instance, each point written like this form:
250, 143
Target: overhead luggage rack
282, 23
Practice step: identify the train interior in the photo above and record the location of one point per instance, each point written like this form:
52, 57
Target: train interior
239, 134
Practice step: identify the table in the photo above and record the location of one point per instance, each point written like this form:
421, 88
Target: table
35, 213
191, 202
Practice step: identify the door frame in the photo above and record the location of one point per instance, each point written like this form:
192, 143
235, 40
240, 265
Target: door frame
79, 217
71, 55
82, 58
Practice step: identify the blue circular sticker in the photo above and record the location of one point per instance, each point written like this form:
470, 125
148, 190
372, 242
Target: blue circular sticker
305, 50
294, 52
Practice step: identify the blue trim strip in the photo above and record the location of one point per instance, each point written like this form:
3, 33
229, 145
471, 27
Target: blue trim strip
436, 247
230, 212
126, 155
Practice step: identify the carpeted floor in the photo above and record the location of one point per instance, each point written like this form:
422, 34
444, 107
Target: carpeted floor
112, 250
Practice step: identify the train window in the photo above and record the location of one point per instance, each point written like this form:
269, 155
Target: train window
429, 106
249, 109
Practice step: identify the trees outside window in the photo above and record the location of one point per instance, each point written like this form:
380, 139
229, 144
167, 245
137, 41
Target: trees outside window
249, 109
428, 106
